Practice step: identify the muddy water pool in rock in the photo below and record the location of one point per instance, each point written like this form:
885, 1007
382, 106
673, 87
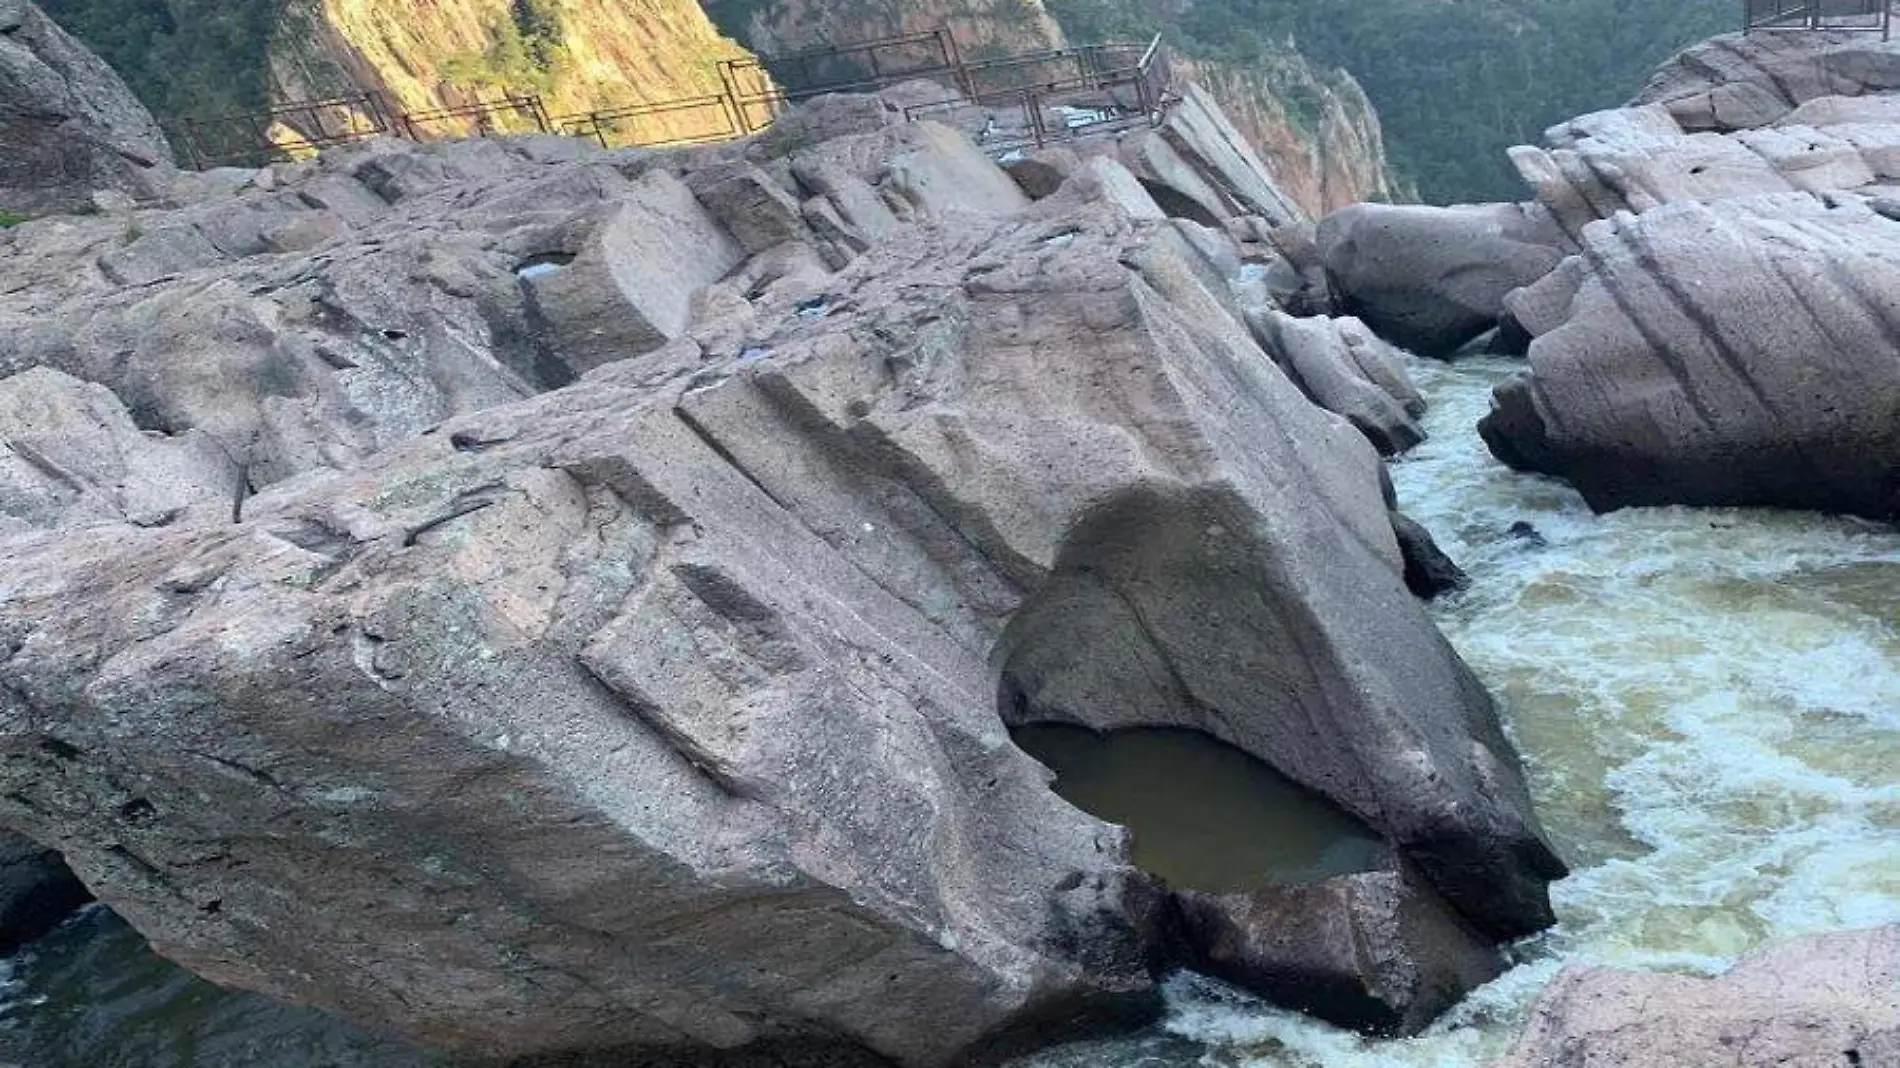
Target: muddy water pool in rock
1708, 702
1709, 705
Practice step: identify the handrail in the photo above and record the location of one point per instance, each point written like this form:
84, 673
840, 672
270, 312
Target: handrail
739, 109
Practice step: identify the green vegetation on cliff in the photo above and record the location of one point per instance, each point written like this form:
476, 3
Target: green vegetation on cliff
529, 51
1455, 84
181, 57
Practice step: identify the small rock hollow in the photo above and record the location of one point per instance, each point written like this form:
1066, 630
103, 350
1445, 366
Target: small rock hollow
1201, 814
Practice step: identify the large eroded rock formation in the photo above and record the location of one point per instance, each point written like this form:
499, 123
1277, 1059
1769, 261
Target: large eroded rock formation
1727, 333
534, 598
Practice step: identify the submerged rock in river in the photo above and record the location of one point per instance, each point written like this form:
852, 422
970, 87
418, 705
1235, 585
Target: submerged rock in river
667, 710
1822, 1001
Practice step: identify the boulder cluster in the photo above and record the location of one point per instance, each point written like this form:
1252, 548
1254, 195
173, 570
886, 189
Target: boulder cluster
539, 599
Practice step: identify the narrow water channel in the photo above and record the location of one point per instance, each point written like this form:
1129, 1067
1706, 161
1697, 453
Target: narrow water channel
1708, 702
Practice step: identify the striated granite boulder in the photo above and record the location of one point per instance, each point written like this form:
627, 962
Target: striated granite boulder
70, 127
1725, 335
1734, 353
1743, 81
667, 707
1820, 1002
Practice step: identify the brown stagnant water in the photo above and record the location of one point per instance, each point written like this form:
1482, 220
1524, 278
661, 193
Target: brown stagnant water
1201, 814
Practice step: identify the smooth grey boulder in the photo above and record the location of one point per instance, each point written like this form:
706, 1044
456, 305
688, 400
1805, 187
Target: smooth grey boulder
666, 710
37, 891
1348, 371
70, 127
1820, 1002
1432, 279
1373, 951
1740, 352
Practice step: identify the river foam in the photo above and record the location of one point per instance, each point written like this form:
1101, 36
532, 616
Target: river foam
1707, 702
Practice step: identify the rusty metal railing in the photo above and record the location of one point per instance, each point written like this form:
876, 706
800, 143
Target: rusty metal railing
707, 119
1059, 93
283, 131
1097, 98
484, 117
1869, 16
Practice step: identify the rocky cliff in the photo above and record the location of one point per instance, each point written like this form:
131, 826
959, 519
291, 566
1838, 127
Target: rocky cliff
69, 128
1313, 127
580, 56
429, 595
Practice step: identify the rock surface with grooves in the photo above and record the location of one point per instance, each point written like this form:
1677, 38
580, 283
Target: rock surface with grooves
665, 708
1727, 334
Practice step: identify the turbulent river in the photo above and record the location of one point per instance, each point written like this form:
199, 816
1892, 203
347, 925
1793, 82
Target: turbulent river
1708, 702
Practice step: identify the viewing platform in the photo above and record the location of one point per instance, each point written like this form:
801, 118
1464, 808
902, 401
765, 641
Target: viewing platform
1865, 16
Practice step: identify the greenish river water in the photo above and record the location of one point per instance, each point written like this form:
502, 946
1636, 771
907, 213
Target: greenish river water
1708, 701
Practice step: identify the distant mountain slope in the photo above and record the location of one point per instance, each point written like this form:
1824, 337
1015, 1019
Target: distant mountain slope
197, 57
1455, 81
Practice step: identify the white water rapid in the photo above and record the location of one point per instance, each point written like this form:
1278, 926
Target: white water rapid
1708, 702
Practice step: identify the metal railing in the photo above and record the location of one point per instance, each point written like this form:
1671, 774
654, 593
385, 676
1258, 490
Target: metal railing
708, 119
513, 113
1868, 16
1059, 93
286, 129
1096, 96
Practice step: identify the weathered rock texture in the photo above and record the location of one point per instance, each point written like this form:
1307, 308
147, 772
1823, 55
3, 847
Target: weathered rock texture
1822, 1002
1369, 950
1738, 82
666, 708
1727, 333
68, 126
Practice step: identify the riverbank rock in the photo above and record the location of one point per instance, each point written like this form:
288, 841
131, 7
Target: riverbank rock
1814, 1003
71, 128
1725, 336
666, 708
1433, 279
1734, 353
1348, 371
